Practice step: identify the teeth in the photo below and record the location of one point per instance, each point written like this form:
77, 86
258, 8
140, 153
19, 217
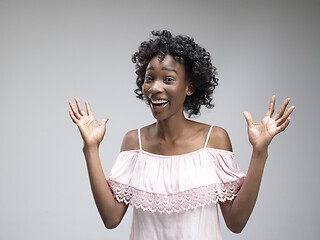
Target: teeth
158, 101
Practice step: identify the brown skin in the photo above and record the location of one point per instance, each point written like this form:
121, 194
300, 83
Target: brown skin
92, 134
173, 134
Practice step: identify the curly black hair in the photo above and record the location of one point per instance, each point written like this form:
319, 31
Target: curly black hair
196, 60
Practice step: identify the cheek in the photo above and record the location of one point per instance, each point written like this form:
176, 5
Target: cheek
145, 90
179, 91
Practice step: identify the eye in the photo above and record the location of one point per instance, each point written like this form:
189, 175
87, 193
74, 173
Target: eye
148, 79
169, 79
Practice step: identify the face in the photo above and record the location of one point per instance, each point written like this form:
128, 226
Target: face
165, 87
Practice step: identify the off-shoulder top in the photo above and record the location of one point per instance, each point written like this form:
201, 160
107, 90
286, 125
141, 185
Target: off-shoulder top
175, 197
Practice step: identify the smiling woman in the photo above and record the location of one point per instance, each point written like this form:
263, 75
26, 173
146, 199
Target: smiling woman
165, 86
195, 60
174, 172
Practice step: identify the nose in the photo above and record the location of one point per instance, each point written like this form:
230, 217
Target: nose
155, 87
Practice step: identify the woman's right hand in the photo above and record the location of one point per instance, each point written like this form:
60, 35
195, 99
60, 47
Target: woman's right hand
91, 131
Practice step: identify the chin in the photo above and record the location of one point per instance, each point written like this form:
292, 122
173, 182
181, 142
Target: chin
159, 117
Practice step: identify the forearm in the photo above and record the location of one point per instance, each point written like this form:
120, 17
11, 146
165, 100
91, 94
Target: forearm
108, 207
238, 211
243, 204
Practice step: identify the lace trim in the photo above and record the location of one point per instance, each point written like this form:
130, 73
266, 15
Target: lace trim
182, 201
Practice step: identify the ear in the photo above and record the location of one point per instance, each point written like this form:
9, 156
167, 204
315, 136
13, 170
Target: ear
190, 89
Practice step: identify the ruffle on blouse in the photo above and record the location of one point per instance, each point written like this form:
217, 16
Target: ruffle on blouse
159, 183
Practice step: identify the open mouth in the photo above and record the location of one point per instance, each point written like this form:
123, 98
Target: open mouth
158, 104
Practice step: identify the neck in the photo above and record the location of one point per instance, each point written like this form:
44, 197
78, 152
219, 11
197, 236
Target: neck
172, 128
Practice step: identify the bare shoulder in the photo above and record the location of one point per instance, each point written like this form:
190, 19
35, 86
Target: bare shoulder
130, 141
219, 139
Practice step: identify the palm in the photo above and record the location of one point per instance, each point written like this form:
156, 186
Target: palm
260, 135
91, 131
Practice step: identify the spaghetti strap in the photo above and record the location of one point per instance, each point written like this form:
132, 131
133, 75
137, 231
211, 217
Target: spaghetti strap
205, 144
139, 137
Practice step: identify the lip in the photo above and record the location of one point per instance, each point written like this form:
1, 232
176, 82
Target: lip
158, 98
158, 108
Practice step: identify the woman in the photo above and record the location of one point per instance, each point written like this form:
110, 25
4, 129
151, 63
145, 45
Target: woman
175, 171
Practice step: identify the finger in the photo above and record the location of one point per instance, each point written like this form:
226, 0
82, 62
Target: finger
79, 106
104, 121
249, 119
285, 116
88, 107
271, 106
74, 119
74, 110
282, 109
284, 125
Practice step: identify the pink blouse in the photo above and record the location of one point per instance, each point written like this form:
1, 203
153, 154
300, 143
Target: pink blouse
175, 197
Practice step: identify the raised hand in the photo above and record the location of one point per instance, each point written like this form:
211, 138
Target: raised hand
91, 131
260, 135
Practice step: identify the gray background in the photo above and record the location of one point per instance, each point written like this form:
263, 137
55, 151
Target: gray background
51, 51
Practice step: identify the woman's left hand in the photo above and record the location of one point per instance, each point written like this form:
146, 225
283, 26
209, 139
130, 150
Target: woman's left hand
260, 135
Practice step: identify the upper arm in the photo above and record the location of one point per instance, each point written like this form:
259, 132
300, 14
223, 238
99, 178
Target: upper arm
225, 209
130, 141
219, 139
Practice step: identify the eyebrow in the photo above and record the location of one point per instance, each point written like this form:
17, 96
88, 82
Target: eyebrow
169, 69
164, 68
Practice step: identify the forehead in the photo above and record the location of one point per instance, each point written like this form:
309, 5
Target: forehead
167, 62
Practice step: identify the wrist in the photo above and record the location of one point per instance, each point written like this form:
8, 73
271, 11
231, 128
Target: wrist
90, 147
257, 151
260, 154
